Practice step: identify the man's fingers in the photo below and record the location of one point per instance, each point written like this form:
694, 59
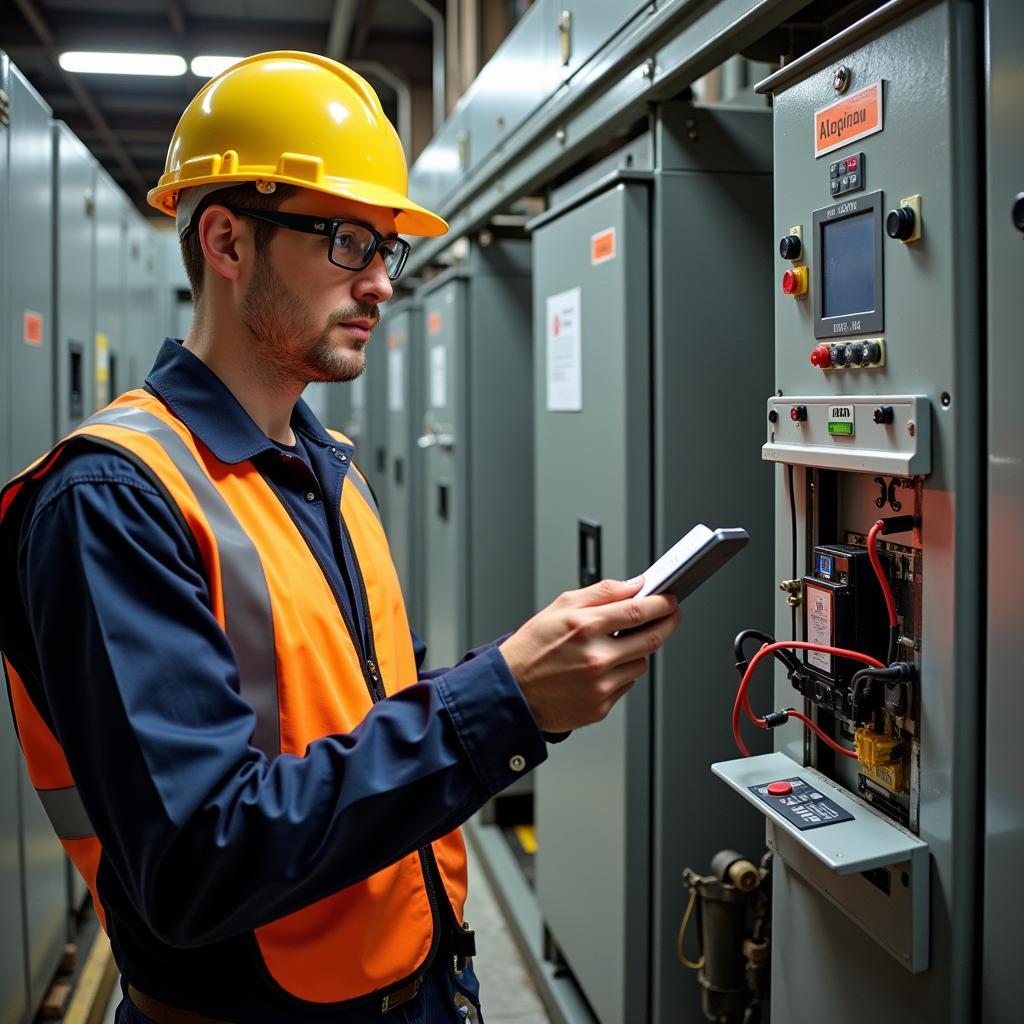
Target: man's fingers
639, 643
604, 592
632, 613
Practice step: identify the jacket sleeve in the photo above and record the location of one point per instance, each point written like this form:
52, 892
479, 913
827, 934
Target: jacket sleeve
206, 837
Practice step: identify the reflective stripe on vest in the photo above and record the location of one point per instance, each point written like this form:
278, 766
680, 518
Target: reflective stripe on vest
363, 488
248, 620
67, 815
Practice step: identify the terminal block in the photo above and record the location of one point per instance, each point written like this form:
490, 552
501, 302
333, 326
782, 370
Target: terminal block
882, 759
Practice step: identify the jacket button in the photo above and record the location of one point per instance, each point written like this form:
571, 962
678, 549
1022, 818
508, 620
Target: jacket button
372, 666
517, 762
310, 496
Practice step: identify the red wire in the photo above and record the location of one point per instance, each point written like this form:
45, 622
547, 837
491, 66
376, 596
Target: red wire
793, 713
800, 645
883, 579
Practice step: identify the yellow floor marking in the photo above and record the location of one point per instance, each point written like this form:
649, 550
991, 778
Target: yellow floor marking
527, 837
95, 983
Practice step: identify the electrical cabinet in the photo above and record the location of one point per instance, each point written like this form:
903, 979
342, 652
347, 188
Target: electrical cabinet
373, 460
477, 439
74, 279
143, 335
1004, 720
876, 415
400, 335
639, 406
111, 355
29, 341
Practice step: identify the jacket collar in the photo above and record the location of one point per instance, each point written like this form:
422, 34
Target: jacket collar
201, 400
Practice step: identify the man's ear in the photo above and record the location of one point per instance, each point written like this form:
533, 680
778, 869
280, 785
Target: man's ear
220, 236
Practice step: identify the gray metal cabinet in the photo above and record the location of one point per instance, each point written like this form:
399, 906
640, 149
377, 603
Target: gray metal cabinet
1004, 725
112, 359
29, 339
593, 516
13, 987
74, 278
402, 333
142, 332
373, 459
632, 433
477, 436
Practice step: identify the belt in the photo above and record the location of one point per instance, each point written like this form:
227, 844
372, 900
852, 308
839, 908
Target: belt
161, 1013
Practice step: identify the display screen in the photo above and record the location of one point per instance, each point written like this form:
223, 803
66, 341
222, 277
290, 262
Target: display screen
825, 566
848, 265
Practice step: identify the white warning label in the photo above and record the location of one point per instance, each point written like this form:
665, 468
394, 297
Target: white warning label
819, 625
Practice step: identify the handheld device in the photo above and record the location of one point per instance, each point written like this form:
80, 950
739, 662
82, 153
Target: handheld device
693, 559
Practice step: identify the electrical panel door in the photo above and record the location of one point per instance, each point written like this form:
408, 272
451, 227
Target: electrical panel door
401, 334
31, 340
111, 356
592, 365
1004, 810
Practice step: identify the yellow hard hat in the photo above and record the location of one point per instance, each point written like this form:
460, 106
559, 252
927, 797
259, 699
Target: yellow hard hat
299, 119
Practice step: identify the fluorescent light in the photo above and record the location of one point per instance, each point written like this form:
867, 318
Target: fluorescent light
165, 64
207, 66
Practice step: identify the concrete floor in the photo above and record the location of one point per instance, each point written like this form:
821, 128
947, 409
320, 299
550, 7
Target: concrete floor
507, 994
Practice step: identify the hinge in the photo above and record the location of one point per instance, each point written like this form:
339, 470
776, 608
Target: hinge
5, 109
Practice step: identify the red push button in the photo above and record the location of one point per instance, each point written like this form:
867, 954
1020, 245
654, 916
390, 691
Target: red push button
780, 788
851, 163
821, 357
794, 282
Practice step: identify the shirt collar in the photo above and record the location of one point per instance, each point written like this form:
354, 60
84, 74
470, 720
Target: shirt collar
201, 400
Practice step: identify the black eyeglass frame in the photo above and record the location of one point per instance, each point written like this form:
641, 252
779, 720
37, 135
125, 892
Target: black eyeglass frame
329, 229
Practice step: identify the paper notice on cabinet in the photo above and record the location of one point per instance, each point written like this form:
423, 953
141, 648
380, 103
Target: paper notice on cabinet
564, 353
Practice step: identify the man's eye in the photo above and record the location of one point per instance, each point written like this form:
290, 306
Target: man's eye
343, 240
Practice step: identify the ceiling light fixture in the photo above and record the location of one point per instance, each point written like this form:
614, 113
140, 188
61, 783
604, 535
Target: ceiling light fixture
208, 66
166, 65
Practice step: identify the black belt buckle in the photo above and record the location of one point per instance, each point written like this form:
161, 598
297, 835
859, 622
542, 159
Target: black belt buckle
463, 947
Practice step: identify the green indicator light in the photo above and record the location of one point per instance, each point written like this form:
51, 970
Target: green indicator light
840, 428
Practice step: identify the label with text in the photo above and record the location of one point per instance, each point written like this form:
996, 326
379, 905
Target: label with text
853, 117
602, 246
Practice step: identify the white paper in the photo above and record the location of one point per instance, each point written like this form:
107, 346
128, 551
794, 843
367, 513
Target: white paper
396, 379
564, 353
438, 377
819, 625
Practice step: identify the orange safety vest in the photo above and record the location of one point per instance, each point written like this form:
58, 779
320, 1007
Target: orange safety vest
299, 668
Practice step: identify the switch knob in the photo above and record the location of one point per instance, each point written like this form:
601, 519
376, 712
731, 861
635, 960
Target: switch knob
838, 353
883, 414
821, 357
1018, 212
872, 353
794, 282
899, 223
854, 354
798, 413
790, 247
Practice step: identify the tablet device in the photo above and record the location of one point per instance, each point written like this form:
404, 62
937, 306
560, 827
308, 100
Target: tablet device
693, 559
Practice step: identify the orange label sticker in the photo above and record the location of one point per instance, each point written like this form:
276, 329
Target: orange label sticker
434, 323
602, 246
849, 119
33, 332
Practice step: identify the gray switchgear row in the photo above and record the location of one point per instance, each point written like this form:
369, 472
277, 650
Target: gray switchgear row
80, 306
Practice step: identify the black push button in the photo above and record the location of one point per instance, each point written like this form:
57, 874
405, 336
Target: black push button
790, 247
899, 223
883, 414
1018, 212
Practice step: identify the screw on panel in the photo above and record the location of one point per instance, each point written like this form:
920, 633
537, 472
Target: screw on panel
911, 427
841, 80
560, 136
946, 399
647, 70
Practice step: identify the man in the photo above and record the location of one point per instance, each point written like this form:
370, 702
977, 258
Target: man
213, 678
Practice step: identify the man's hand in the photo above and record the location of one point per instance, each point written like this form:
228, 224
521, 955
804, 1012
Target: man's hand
570, 667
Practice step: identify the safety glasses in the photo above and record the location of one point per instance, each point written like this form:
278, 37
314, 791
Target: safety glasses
352, 243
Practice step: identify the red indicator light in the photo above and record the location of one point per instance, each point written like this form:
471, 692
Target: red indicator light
821, 357
798, 413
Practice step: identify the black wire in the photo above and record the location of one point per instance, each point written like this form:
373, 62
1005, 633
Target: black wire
894, 634
787, 658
